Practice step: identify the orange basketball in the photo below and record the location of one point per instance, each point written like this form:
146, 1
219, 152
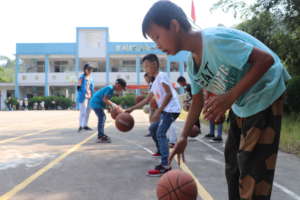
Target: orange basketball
115, 112
139, 99
124, 122
153, 104
195, 131
176, 184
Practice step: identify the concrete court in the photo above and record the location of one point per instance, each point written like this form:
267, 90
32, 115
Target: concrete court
43, 157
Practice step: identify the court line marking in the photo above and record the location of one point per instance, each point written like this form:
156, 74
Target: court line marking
25, 135
202, 192
26, 123
279, 186
40, 172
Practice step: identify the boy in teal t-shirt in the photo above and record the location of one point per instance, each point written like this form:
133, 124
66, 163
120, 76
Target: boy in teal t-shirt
98, 103
247, 77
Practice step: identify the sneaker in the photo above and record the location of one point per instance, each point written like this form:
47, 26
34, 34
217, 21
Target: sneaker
158, 170
171, 145
104, 139
156, 155
217, 139
209, 135
80, 129
87, 128
148, 135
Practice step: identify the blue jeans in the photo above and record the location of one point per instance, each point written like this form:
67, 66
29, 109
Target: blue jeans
212, 128
101, 121
159, 130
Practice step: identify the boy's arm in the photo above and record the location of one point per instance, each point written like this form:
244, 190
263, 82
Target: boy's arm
261, 62
140, 104
108, 102
165, 102
193, 115
79, 84
167, 98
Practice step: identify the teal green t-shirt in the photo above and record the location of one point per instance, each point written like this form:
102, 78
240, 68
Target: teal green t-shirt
225, 62
97, 99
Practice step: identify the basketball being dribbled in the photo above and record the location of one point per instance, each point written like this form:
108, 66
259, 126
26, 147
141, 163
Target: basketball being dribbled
195, 131
176, 184
124, 122
115, 112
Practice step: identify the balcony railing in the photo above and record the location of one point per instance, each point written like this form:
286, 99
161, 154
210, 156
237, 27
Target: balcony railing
70, 78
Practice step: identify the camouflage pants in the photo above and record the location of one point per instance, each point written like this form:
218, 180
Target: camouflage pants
251, 153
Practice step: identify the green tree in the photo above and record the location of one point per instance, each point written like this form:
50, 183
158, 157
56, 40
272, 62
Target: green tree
7, 69
275, 22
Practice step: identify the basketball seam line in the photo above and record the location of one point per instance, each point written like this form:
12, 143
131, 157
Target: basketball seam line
180, 186
189, 195
163, 196
173, 190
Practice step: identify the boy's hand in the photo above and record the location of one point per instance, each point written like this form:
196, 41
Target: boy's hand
129, 110
215, 107
179, 150
117, 108
113, 105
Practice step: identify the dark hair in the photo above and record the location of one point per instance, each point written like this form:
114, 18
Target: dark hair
87, 66
152, 58
122, 82
161, 13
181, 79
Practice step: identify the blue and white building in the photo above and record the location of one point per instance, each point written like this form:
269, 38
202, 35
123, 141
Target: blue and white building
44, 69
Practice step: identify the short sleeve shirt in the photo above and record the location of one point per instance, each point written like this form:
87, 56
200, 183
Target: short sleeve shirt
225, 62
159, 93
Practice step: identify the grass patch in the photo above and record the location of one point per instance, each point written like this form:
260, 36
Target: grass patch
290, 132
290, 135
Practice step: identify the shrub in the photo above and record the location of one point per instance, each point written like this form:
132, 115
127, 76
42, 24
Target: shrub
293, 95
51, 102
125, 101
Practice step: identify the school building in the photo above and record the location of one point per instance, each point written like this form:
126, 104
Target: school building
44, 69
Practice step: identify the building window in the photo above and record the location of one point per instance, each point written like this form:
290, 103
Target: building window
174, 67
62, 65
32, 65
122, 65
128, 63
99, 65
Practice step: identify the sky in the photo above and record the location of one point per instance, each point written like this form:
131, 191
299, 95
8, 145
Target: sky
34, 21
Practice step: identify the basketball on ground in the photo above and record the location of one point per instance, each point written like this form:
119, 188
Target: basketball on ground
124, 122
176, 184
195, 131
